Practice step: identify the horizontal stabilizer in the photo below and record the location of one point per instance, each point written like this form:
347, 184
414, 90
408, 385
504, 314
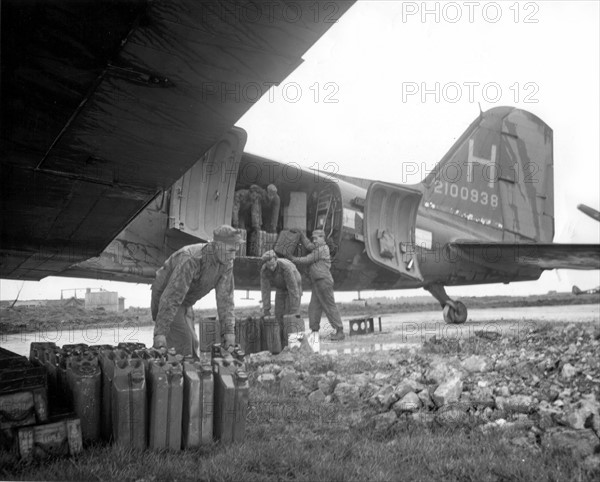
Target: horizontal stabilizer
544, 256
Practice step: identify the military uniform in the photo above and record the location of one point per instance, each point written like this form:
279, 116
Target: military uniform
322, 298
288, 284
187, 276
254, 200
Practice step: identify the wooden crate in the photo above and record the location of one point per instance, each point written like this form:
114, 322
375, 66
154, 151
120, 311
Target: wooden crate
59, 438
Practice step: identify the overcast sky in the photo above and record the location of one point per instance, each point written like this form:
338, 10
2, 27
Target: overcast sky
353, 103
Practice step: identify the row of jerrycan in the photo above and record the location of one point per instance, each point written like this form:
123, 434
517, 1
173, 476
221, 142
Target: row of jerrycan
142, 397
256, 334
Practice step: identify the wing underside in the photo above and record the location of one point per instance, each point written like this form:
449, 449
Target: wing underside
107, 103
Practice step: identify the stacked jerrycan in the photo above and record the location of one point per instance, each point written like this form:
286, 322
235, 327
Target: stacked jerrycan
165, 388
271, 335
84, 378
248, 333
108, 358
293, 330
231, 394
210, 332
198, 396
129, 404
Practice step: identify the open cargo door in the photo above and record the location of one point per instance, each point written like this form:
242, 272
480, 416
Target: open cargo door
202, 199
390, 219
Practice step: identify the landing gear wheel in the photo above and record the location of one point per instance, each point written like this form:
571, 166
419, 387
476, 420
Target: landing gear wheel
455, 312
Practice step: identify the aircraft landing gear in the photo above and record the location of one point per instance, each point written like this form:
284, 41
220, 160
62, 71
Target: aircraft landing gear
455, 312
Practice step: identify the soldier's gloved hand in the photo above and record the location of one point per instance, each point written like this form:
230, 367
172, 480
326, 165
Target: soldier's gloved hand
228, 340
160, 341
267, 312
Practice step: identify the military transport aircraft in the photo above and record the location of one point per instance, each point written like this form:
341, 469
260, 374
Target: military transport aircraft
116, 158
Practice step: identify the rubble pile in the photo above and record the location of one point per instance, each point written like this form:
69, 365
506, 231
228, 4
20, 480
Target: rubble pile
539, 387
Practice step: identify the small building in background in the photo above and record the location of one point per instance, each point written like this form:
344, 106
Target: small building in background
107, 300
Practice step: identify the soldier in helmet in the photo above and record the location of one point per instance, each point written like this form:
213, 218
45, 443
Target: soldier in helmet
185, 277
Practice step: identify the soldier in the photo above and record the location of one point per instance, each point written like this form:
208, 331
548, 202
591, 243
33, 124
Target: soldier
322, 299
188, 275
253, 201
285, 277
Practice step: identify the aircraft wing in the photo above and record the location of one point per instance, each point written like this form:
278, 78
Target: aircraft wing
513, 255
105, 103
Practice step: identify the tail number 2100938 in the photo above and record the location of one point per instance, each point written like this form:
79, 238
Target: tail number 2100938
466, 194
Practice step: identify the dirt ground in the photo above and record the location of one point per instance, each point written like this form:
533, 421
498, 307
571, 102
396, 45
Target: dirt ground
30, 319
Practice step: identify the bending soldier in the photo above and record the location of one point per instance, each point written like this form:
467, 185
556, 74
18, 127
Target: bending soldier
322, 297
285, 277
252, 201
185, 277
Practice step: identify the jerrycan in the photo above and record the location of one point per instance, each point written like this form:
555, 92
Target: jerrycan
130, 347
166, 404
108, 358
76, 349
37, 351
63, 390
210, 332
198, 400
271, 335
293, 327
50, 362
173, 356
129, 405
235, 351
248, 333
147, 355
85, 381
231, 400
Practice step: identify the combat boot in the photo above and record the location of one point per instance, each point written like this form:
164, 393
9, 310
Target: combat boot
338, 335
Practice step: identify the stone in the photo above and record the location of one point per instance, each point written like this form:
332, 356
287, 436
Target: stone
592, 462
327, 383
380, 396
581, 443
448, 392
584, 414
317, 396
346, 393
266, 379
402, 390
383, 421
426, 400
408, 403
260, 357
504, 391
568, 371
381, 376
390, 399
477, 364
414, 385
361, 380
515, 404
440, 371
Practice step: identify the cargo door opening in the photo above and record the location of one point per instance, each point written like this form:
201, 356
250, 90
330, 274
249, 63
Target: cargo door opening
306, 202
390, 221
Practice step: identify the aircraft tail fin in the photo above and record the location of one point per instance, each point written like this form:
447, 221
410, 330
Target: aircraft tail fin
499, 173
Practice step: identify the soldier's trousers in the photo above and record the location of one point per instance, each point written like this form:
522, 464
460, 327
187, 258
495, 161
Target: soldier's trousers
241, 208
322, 300
283, 305
182, 334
